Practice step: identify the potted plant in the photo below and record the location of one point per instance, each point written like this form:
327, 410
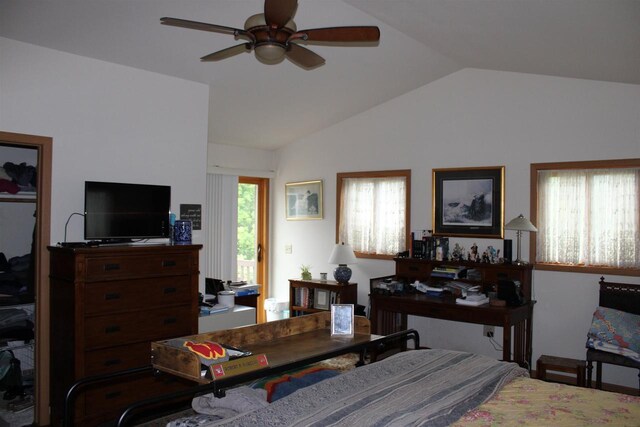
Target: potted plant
305, 272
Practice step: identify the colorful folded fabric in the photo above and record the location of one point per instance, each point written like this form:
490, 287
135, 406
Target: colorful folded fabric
615, 331
280, 386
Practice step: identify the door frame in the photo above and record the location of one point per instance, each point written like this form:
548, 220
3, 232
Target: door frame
262, 273
43, 236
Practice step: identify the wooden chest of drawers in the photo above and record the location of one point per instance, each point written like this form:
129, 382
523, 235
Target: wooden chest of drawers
107, 305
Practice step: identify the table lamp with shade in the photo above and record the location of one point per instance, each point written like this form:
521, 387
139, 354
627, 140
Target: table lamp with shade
520, 224
342, 255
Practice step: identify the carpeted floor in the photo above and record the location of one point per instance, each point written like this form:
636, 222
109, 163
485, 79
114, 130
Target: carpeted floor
17, 418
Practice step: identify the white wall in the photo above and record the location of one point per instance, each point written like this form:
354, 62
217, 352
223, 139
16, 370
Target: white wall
108, 123
242, 161
469, 118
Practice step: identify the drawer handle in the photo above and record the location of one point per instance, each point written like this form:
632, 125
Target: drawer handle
112, 395
111, 267
170, 320
112, 362
111, 296
169, 263
111, 329
170, 290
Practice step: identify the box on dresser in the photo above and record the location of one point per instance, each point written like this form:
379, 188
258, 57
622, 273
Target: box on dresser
107, 305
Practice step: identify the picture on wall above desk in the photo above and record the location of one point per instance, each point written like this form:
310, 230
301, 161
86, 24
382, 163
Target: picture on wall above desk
468, 202
303, 200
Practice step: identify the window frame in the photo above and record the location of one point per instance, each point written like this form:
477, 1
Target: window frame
404, 173
533, 214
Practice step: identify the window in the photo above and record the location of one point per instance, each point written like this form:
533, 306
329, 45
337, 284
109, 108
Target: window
373, 212
588, 216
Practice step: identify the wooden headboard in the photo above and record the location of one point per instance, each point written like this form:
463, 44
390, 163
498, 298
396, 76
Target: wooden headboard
620, 296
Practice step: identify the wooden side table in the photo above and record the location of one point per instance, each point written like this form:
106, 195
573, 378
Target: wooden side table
562, 364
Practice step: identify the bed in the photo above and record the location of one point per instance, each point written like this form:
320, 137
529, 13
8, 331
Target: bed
432, 387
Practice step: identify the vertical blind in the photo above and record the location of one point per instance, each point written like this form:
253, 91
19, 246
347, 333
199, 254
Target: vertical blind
222, 219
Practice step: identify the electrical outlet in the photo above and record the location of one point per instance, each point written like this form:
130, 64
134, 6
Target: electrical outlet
288, 249
488, 331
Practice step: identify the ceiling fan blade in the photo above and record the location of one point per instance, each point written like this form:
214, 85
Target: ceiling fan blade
279, 12
339, 34
303, 56
203, 26
227, 53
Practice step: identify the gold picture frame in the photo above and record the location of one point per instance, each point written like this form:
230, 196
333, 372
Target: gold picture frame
303, 200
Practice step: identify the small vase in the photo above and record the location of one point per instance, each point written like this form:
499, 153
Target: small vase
306, 276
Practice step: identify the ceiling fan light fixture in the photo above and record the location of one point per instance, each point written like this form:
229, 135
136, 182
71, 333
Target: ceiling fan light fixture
256, 20
273, 36
270, 53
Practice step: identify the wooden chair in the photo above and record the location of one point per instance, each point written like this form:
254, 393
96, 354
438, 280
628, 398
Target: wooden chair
623, 297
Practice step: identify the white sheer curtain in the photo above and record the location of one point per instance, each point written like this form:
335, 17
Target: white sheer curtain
372, 217
589, 217
221, 246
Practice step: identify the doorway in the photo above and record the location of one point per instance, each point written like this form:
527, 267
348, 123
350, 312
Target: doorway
253, 219
41, 198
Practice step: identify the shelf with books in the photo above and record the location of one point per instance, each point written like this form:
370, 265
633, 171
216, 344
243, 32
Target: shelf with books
410, 270
312, 296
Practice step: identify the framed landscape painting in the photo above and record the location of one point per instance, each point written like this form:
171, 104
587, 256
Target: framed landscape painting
303, 200
468, 202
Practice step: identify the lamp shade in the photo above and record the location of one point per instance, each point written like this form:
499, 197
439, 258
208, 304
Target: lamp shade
520, 223
342, 254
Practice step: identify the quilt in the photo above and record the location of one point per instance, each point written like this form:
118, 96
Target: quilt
420, 387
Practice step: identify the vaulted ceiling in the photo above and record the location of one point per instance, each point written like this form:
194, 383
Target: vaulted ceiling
268, 106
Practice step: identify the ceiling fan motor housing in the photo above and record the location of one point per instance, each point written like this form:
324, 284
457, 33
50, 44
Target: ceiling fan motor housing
271, 43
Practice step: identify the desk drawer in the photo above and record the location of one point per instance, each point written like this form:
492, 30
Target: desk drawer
139, 326
124, 295
101, 268
413, 270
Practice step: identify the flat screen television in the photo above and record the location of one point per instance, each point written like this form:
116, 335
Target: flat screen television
118, 212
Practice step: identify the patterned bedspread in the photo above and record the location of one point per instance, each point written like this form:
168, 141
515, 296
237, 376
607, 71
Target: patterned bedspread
422, 387
528, 402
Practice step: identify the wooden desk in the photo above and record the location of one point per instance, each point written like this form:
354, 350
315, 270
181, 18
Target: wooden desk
389, 315
248, 300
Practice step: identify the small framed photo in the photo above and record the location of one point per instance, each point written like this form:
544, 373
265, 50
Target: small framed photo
468, 202
303, 200
342, 320
321, 299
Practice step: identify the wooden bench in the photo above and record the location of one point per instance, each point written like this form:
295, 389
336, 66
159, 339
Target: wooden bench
562, 364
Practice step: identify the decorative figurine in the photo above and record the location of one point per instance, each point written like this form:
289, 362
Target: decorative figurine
457, 254
474, 252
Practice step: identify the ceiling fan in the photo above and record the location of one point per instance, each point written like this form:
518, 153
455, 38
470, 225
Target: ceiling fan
273, 35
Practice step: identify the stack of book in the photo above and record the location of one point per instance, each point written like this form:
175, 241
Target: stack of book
460, 288
212, 309
304, 297
449, 271
244, 288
